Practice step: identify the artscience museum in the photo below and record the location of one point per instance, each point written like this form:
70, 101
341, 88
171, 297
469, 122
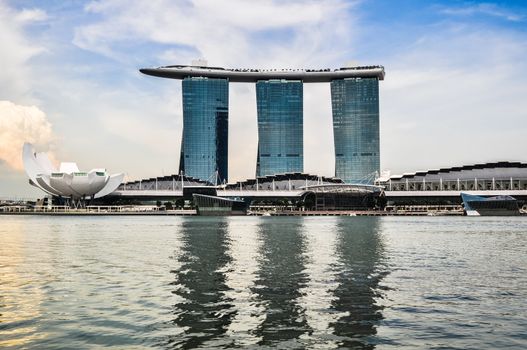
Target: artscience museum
67, 181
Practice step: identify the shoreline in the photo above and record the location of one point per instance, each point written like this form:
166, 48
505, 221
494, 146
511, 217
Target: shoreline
194, 213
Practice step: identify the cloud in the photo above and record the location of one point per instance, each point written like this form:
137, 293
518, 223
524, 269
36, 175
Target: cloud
226, 33
126, 124
456, 96
488, 9
17, 50
19, 124
31, 15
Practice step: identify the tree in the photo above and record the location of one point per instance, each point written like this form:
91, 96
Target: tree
309, 202
180, 203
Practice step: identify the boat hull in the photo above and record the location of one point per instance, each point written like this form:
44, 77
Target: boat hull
493, 206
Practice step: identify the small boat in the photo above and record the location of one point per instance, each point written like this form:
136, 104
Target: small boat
490, 206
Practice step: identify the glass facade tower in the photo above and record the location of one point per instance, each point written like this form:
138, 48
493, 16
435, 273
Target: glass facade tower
355, 105
280, 127
204, 146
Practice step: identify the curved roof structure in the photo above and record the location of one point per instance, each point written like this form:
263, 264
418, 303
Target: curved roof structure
283, 181
498, 170
168, 182
254, 75
67, 181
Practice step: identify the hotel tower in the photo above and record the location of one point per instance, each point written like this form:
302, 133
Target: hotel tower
279, 100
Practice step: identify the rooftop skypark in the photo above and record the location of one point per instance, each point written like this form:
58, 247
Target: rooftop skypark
250, 75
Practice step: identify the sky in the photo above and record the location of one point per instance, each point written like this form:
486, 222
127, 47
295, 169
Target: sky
455, 90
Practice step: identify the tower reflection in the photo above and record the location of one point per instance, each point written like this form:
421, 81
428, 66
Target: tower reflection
280, 278
361, 267
204, 312
280, 282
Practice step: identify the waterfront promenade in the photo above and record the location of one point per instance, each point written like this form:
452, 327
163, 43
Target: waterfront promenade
156, 211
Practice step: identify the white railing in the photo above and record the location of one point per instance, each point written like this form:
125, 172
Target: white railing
90, 209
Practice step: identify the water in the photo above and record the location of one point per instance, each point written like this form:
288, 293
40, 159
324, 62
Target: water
270, 282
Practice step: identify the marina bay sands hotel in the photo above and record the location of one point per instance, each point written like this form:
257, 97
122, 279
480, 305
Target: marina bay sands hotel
279, 97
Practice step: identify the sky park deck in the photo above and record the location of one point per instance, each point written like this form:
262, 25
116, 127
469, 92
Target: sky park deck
253, 75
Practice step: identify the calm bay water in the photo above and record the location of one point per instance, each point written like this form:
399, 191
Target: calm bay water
314, 282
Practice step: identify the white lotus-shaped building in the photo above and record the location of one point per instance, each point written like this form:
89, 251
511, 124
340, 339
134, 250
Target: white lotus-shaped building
67, 181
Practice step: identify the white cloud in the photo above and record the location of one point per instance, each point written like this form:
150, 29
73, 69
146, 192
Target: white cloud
485, 9
456, 97
19, 124
31, 15
226, 33
15, 75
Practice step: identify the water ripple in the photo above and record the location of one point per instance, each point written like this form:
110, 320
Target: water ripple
314, 282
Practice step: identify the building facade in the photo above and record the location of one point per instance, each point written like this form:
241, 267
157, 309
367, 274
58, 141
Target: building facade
204, 146
284, 192
499, 176
355, 107
444, 186
280, 127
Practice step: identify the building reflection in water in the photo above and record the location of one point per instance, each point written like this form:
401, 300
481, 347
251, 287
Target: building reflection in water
203, 311
361, 267
278, 282
280, 278
318, 294
242, 279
